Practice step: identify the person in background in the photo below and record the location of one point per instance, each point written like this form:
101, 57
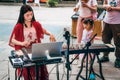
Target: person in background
26, 32
111, 29
24, 1
86, 36
85, 8
36, 3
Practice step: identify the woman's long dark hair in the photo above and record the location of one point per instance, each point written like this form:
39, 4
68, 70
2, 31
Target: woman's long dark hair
25, 8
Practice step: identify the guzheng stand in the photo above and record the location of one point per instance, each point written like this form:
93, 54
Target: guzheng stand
91, 70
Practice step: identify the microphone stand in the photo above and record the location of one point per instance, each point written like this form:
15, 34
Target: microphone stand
67, 37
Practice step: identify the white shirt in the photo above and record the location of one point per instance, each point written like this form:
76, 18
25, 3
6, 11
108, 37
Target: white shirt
112, 17
86, 36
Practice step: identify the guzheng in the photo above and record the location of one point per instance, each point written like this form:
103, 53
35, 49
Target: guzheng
94, 48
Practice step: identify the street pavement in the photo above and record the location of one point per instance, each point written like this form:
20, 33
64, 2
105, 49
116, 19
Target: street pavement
54, 20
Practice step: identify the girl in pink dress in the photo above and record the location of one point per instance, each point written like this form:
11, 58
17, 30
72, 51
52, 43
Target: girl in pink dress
85, 8
87, 34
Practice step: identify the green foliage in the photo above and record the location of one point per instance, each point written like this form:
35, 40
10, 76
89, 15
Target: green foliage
52, 3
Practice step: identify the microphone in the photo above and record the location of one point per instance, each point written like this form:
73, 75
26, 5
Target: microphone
67, 33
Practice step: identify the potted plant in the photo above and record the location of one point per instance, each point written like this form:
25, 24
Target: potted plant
52, 3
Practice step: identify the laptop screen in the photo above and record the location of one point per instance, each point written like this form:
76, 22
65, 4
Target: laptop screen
41, 50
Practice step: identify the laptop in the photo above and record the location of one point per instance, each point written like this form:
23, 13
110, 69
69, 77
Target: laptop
45, 51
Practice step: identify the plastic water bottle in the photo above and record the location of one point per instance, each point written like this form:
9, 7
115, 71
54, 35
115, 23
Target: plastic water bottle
92, 76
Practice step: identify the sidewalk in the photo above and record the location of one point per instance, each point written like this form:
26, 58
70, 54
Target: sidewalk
54, 20
60, 4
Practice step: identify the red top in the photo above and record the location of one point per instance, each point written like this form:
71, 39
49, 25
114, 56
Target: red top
19, 35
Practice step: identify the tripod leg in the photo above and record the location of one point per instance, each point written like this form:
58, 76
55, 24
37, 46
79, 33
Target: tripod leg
57, 71
87, 66
81, 67
100, 68
64, 73
16, 74
8, 71
91, 64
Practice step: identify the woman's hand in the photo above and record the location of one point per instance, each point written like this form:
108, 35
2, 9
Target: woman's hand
52, 38
16, 42
25, 43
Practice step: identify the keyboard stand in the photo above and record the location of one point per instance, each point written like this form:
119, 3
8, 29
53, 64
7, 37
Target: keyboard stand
21, 71
37, 71
42, 62
19, 76
91, 67
91, 70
